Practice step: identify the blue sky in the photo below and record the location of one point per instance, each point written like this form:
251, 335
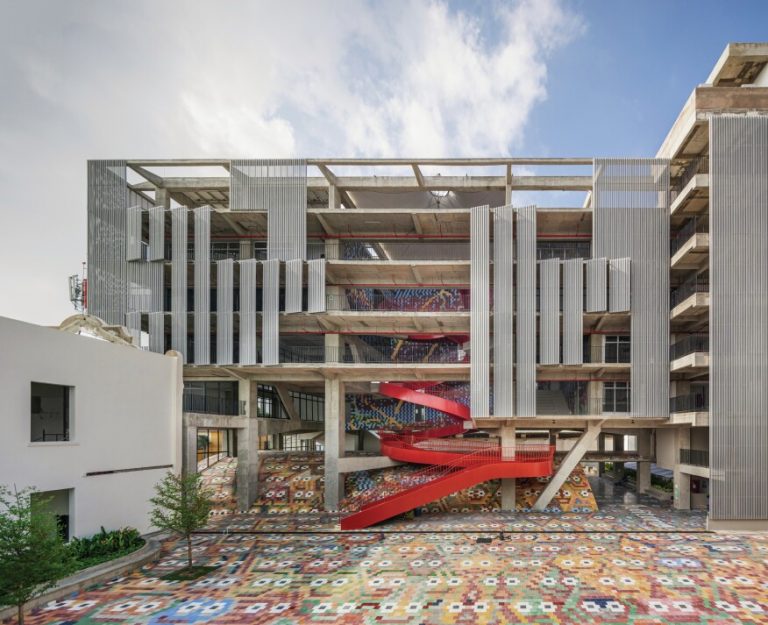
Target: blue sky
92, 79
617, 89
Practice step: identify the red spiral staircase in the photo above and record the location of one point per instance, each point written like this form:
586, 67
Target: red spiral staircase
455, 463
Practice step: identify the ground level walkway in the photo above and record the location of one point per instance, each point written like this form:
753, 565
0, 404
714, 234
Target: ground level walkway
636, 561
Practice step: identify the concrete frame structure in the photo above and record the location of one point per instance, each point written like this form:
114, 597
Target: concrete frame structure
588, 280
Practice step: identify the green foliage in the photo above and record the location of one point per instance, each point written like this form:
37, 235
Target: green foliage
32, 553
104, 546
662, 483
181, 505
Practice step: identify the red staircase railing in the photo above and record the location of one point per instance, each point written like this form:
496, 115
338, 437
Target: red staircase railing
463, 471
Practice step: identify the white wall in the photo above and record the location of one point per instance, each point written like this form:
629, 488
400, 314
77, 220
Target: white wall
126, 415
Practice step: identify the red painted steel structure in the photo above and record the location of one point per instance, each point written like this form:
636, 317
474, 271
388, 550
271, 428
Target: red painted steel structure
451, 471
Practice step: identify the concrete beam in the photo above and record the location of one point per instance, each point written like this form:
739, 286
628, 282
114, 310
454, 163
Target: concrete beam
568, 464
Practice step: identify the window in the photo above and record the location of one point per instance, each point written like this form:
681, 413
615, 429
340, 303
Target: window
51, 411
617, 349
221, 250
615, 397
268, 405
211, 397
309, 407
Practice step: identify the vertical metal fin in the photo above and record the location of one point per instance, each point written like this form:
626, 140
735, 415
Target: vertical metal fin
248, 283
573, 311
203, 285
133, 323
619, 285
156, 233
738, 317
316, 285
133, 227
597, 285
225, 272
157, 332
480, 311
294, 270
630, 218
107, 268
503, 311
270, 312
549, 315
179, 235
278, 186
526, 311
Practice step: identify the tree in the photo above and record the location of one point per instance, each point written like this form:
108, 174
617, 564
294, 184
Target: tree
181, 506
32, 553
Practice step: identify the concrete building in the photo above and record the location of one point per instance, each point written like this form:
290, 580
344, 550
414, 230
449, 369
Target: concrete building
91, 424
345, 295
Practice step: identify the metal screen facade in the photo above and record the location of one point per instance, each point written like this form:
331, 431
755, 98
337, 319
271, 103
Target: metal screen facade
133, 228
225, 273
619, 285
294, 270
316, 285
549, 313
597, 285
738, 317
526, 311
270, 315
157, 332
107, 269
179, 236
278, 186
203, 285
248, 281
573, 311
480, 315
631, 219
503, 311
156, 233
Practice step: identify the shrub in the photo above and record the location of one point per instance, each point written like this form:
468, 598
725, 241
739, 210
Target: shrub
104, 545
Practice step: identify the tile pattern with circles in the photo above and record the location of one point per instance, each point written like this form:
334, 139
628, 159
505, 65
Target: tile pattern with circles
431, 578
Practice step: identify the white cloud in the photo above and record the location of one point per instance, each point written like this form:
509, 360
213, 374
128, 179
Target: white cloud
94, 79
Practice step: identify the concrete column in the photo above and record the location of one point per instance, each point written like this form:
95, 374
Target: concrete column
189, 449
248, 457
618, 467
246, 249
601, 449
333, 351
162, 198
335, 426
643, 480
682, 481
508, 485
332, 249
334, 197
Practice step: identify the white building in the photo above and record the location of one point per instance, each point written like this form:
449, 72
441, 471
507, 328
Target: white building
92, 424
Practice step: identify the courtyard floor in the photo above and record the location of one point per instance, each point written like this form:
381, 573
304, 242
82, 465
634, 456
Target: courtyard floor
636, 561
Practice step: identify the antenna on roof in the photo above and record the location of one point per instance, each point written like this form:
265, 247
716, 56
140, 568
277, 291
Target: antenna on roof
78, 290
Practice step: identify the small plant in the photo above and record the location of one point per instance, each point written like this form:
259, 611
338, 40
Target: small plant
181, 506
32, 553
104, 546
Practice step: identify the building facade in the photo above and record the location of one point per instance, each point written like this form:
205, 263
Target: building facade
91, 425
318, 302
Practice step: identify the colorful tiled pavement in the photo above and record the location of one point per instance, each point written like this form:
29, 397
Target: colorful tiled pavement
430, 578
219, 480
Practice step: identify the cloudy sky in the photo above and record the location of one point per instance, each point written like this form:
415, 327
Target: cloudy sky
106, 79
